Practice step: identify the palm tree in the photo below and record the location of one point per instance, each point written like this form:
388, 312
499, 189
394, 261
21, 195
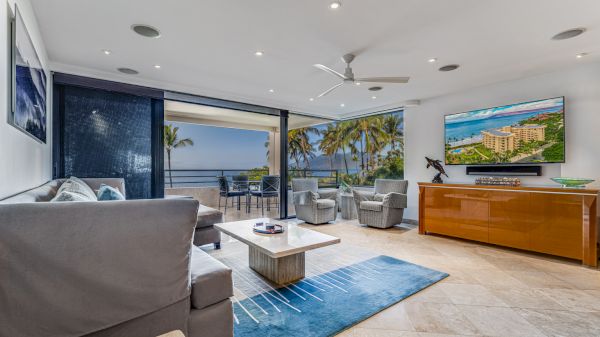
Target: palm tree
342, 139
300, 146
369, 133
172, 141
392, 126
376, 140
329, 143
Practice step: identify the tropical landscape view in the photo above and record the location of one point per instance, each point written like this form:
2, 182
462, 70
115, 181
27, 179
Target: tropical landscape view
355, 151
359, 150
530, 132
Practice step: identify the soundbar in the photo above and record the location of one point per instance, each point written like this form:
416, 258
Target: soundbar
514, 170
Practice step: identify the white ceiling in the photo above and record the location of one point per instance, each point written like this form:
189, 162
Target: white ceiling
228, 118
207, 47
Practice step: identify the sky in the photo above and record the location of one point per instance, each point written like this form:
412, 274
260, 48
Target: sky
485, 113
223, 148
219, 148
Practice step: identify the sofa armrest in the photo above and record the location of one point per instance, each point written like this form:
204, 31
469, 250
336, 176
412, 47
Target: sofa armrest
79, 267
305, 198
212, 281
395, 200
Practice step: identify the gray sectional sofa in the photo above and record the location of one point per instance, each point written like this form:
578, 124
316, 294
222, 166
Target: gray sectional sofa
107, 268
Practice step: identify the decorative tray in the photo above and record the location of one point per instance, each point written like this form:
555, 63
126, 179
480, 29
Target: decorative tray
499, 181
572, 182
267, 228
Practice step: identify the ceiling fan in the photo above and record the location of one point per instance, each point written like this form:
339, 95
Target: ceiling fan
348, 76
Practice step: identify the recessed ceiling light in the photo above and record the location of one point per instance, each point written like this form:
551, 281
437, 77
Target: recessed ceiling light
375, 88
335, 5
157, 66
128, 71
342, 105
258, 53
580, 55
106, 51
146, 30
311, 99
357, 83
449, 67
373, 97
432, 60
569, 34
271, 90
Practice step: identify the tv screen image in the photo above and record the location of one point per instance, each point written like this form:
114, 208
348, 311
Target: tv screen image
523, 133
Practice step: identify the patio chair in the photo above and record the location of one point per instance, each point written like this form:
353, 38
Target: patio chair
226, 192
241, 183
269, 188
313, 205
384, 207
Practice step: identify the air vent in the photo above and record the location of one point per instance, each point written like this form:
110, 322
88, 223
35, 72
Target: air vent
569, 34
449, 67
146, 31
128, 71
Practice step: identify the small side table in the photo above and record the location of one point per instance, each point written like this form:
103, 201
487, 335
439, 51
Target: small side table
348, 207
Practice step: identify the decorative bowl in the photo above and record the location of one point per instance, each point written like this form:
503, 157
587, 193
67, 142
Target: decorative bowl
572, 182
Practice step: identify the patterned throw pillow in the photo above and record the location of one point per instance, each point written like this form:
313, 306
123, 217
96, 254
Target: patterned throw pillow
109, 193
76, 185
69, 196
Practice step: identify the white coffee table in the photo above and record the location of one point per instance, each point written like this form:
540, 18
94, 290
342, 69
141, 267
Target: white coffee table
278, 257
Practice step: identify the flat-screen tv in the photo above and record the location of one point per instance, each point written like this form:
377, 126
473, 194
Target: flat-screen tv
522, 133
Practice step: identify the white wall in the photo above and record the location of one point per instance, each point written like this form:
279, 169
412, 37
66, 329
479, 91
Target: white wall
24, 162
424, 125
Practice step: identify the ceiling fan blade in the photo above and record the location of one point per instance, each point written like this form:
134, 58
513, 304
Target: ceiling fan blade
330, 89
383, 79
329, 70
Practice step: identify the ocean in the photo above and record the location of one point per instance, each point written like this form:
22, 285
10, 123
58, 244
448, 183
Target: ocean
468, 129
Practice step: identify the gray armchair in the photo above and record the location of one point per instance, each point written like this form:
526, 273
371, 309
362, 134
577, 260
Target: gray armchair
313, 205
384, 207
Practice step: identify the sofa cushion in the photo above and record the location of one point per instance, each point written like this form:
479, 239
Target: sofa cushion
109, 193
325, 203
376, 206
211, 280
208, 216
76, 185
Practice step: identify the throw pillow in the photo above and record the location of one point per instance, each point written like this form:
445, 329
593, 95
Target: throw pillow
76, 185
109, 193
379, 196
70, 196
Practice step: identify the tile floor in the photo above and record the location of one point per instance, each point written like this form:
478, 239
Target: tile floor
491, 291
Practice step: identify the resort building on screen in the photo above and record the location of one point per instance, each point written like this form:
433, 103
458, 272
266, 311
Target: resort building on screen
508, 138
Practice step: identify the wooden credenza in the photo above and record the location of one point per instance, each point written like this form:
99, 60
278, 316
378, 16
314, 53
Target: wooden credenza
557, 221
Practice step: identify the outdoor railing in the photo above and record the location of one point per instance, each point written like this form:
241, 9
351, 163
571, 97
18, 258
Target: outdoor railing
327, 178
208, 177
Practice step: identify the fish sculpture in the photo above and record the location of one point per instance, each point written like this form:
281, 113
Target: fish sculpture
437, 164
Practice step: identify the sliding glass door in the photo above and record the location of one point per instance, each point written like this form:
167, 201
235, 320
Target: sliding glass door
350, 152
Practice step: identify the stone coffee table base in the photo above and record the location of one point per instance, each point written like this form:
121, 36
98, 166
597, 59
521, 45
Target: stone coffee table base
280, 270
280, 257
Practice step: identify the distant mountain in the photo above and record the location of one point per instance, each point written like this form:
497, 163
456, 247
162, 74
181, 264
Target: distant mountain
323, 163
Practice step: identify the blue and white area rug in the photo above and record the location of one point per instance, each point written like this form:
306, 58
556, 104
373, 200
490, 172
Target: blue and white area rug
328, 301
